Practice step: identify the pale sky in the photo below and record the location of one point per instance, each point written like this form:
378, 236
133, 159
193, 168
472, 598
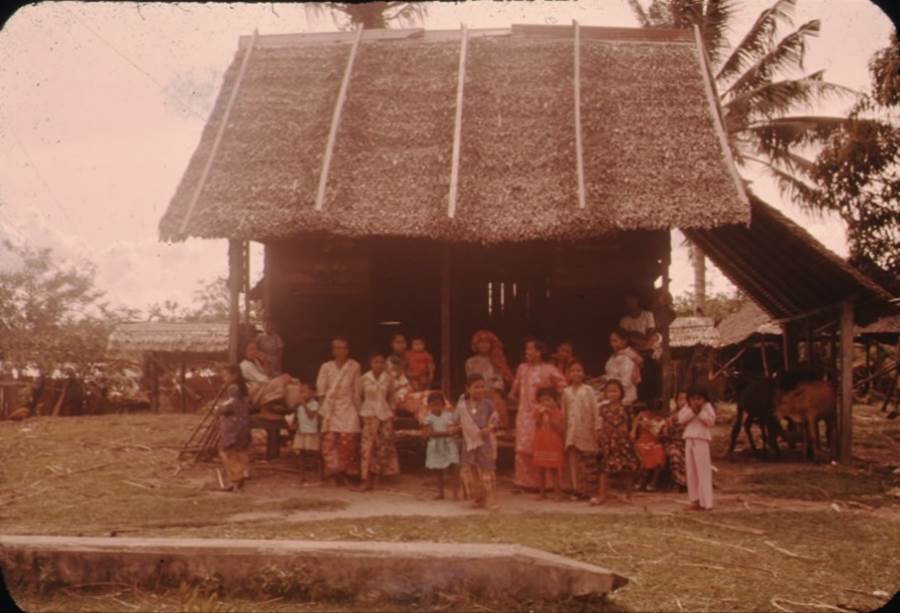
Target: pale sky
99, 117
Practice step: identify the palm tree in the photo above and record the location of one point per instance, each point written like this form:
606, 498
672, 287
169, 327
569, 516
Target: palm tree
371, 15
760, 103
765, 94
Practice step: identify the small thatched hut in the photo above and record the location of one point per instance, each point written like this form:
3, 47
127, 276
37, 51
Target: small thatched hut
440, 181
169, 349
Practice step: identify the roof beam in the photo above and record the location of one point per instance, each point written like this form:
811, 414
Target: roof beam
457, 126
336, 120
222, 124
579, 152
712, 99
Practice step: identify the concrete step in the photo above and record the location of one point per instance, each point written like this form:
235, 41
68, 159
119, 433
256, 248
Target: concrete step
303, 569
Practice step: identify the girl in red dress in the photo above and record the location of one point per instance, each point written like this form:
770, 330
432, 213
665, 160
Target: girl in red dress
548, 449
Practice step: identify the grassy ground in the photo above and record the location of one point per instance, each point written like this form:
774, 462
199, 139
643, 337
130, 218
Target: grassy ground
813, 537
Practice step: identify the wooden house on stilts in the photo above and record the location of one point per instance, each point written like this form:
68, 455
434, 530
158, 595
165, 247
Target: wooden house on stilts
519, 179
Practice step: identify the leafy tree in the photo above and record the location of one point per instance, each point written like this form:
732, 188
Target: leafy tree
764, 90
858, 172
371, 15
52, 317
211, 303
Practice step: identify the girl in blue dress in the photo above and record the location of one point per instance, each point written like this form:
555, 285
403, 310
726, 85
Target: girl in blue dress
442, 452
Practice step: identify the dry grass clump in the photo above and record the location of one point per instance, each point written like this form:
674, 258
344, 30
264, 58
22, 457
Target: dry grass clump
96, 475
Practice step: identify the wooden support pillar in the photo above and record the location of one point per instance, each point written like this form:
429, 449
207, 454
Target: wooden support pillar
245, 281
811, 352
235, 262
267, 281
154, 383
845, 428
445, 321
668, 379
765, 360
182, 379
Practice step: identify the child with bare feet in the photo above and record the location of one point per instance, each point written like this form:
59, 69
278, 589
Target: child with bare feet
548, 449
442, 452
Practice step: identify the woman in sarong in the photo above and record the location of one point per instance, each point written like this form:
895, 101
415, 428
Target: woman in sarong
338, 390
531, 375
478, 421
624, 365
490, 362
234, 430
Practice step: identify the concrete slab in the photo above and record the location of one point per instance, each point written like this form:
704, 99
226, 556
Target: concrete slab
320, 569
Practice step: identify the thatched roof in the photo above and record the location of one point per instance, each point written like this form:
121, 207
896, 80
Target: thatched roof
693, 331
886, 326
195, 338
652, 155
749, 320
786, 270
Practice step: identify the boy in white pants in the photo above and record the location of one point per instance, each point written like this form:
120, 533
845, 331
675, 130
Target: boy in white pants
698, 418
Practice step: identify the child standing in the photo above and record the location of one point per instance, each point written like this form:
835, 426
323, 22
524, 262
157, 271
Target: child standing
615, 444
419, 366
698, 417
377, 449
645, 433
547, 449
478, 420
306, 437
234, 430
579, 404
442, 453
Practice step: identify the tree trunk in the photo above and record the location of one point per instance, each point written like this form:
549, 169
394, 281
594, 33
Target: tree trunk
698, 260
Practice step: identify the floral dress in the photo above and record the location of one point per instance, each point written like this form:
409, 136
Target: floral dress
615, 444
672, 438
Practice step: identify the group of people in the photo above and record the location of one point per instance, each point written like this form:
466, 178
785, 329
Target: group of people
614, 424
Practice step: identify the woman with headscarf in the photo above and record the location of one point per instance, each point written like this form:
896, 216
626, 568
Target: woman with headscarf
490, 362
533, 374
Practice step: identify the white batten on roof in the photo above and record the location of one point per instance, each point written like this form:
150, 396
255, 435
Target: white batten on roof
651, 154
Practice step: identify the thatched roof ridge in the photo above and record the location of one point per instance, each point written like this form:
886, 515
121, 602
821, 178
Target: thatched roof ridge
747, 321
197, 338
652, 156
692, 331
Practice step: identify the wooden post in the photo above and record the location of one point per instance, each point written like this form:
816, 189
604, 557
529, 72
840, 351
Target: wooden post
765, 361
579, 151
666, 361
811, 356
336, 120
154, 384
245, 281
223, 122
845, 429
183, 381
234, 287
445, 321
457, 126
267, 281
786, 344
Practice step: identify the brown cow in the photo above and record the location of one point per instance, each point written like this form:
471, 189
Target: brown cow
807, 403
